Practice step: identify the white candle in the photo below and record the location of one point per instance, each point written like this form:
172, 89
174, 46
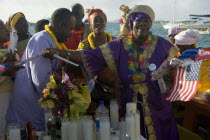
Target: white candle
79, 129
130, 126
131, 107
47, 138
105, 129
122, 128
137, 125
64, 130
87, 126
72, 130
115, 137
114, 114
14, 134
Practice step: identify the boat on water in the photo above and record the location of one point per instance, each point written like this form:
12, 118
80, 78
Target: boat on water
198, 22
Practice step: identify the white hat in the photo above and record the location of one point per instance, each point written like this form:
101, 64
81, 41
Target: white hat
187, 37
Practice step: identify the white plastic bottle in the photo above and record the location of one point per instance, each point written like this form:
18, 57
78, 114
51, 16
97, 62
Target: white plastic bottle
101, 111
102, 122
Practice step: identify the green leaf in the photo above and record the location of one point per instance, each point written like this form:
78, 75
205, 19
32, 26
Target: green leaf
81, 107
76, 99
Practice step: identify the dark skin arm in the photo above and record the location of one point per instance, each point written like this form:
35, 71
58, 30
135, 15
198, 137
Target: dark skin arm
70, 55
12, 70
9, 59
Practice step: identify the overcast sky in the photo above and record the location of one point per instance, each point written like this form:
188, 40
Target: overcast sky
37, 9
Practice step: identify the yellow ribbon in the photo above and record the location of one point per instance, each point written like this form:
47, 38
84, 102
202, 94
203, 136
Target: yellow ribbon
59, 45
91, 41
15, 19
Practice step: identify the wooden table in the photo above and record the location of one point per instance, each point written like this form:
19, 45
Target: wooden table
194, 108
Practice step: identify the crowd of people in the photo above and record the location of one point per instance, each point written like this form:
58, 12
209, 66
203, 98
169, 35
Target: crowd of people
125, 62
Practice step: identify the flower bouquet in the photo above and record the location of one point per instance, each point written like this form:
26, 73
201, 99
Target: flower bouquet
64, 99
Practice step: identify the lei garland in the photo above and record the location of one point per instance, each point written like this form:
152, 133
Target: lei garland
91, 41
135, 65
59, 45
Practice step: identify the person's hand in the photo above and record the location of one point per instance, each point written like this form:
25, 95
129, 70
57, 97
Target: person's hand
163, 70
10, 57
12, 69
49, 52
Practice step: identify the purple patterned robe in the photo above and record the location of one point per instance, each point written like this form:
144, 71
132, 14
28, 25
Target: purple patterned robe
115, 56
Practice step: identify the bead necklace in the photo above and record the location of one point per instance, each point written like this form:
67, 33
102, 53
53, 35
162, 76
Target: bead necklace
136, 60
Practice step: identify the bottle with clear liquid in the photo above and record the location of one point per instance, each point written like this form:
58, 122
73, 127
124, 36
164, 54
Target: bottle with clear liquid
102, 122
101, 111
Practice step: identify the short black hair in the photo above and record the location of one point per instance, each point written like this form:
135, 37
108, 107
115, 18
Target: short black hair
77, 5
60, 16
39, 25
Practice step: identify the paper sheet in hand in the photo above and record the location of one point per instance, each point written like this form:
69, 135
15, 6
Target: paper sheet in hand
13, 41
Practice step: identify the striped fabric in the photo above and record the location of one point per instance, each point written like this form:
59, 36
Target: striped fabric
186, 80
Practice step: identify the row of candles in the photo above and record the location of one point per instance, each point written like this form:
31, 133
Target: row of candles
85, 128
104, 129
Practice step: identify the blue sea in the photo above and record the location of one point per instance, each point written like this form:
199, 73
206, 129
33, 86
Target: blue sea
114, 29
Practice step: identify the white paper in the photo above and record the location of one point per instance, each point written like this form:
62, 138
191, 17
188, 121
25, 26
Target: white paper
13, 41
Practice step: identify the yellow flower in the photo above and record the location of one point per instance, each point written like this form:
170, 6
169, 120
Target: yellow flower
40, 100
178, 54
45, 95
44, 105
52, 83
143, 89
81, 96
46, 90
50, 104
81, 46
53, 95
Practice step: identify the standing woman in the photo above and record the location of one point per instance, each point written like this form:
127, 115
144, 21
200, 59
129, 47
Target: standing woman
97, 20
6, 83
18, 22
132, 60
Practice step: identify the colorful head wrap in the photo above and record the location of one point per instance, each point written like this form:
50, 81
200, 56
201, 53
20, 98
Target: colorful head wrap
13, 19
140, 11
187, 37
136, 16
95, 12
173, 31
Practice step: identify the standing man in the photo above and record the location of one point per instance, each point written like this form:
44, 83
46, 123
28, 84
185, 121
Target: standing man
31, 81
81, 31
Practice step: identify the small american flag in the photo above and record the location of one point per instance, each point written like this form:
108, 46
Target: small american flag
186, 80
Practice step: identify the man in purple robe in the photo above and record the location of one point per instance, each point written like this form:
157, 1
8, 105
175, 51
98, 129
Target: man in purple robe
31, 81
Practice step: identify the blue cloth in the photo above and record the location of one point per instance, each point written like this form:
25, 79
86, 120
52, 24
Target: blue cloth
136, 16
30, 82
190, 53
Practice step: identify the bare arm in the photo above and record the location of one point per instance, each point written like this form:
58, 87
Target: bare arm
70, 55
